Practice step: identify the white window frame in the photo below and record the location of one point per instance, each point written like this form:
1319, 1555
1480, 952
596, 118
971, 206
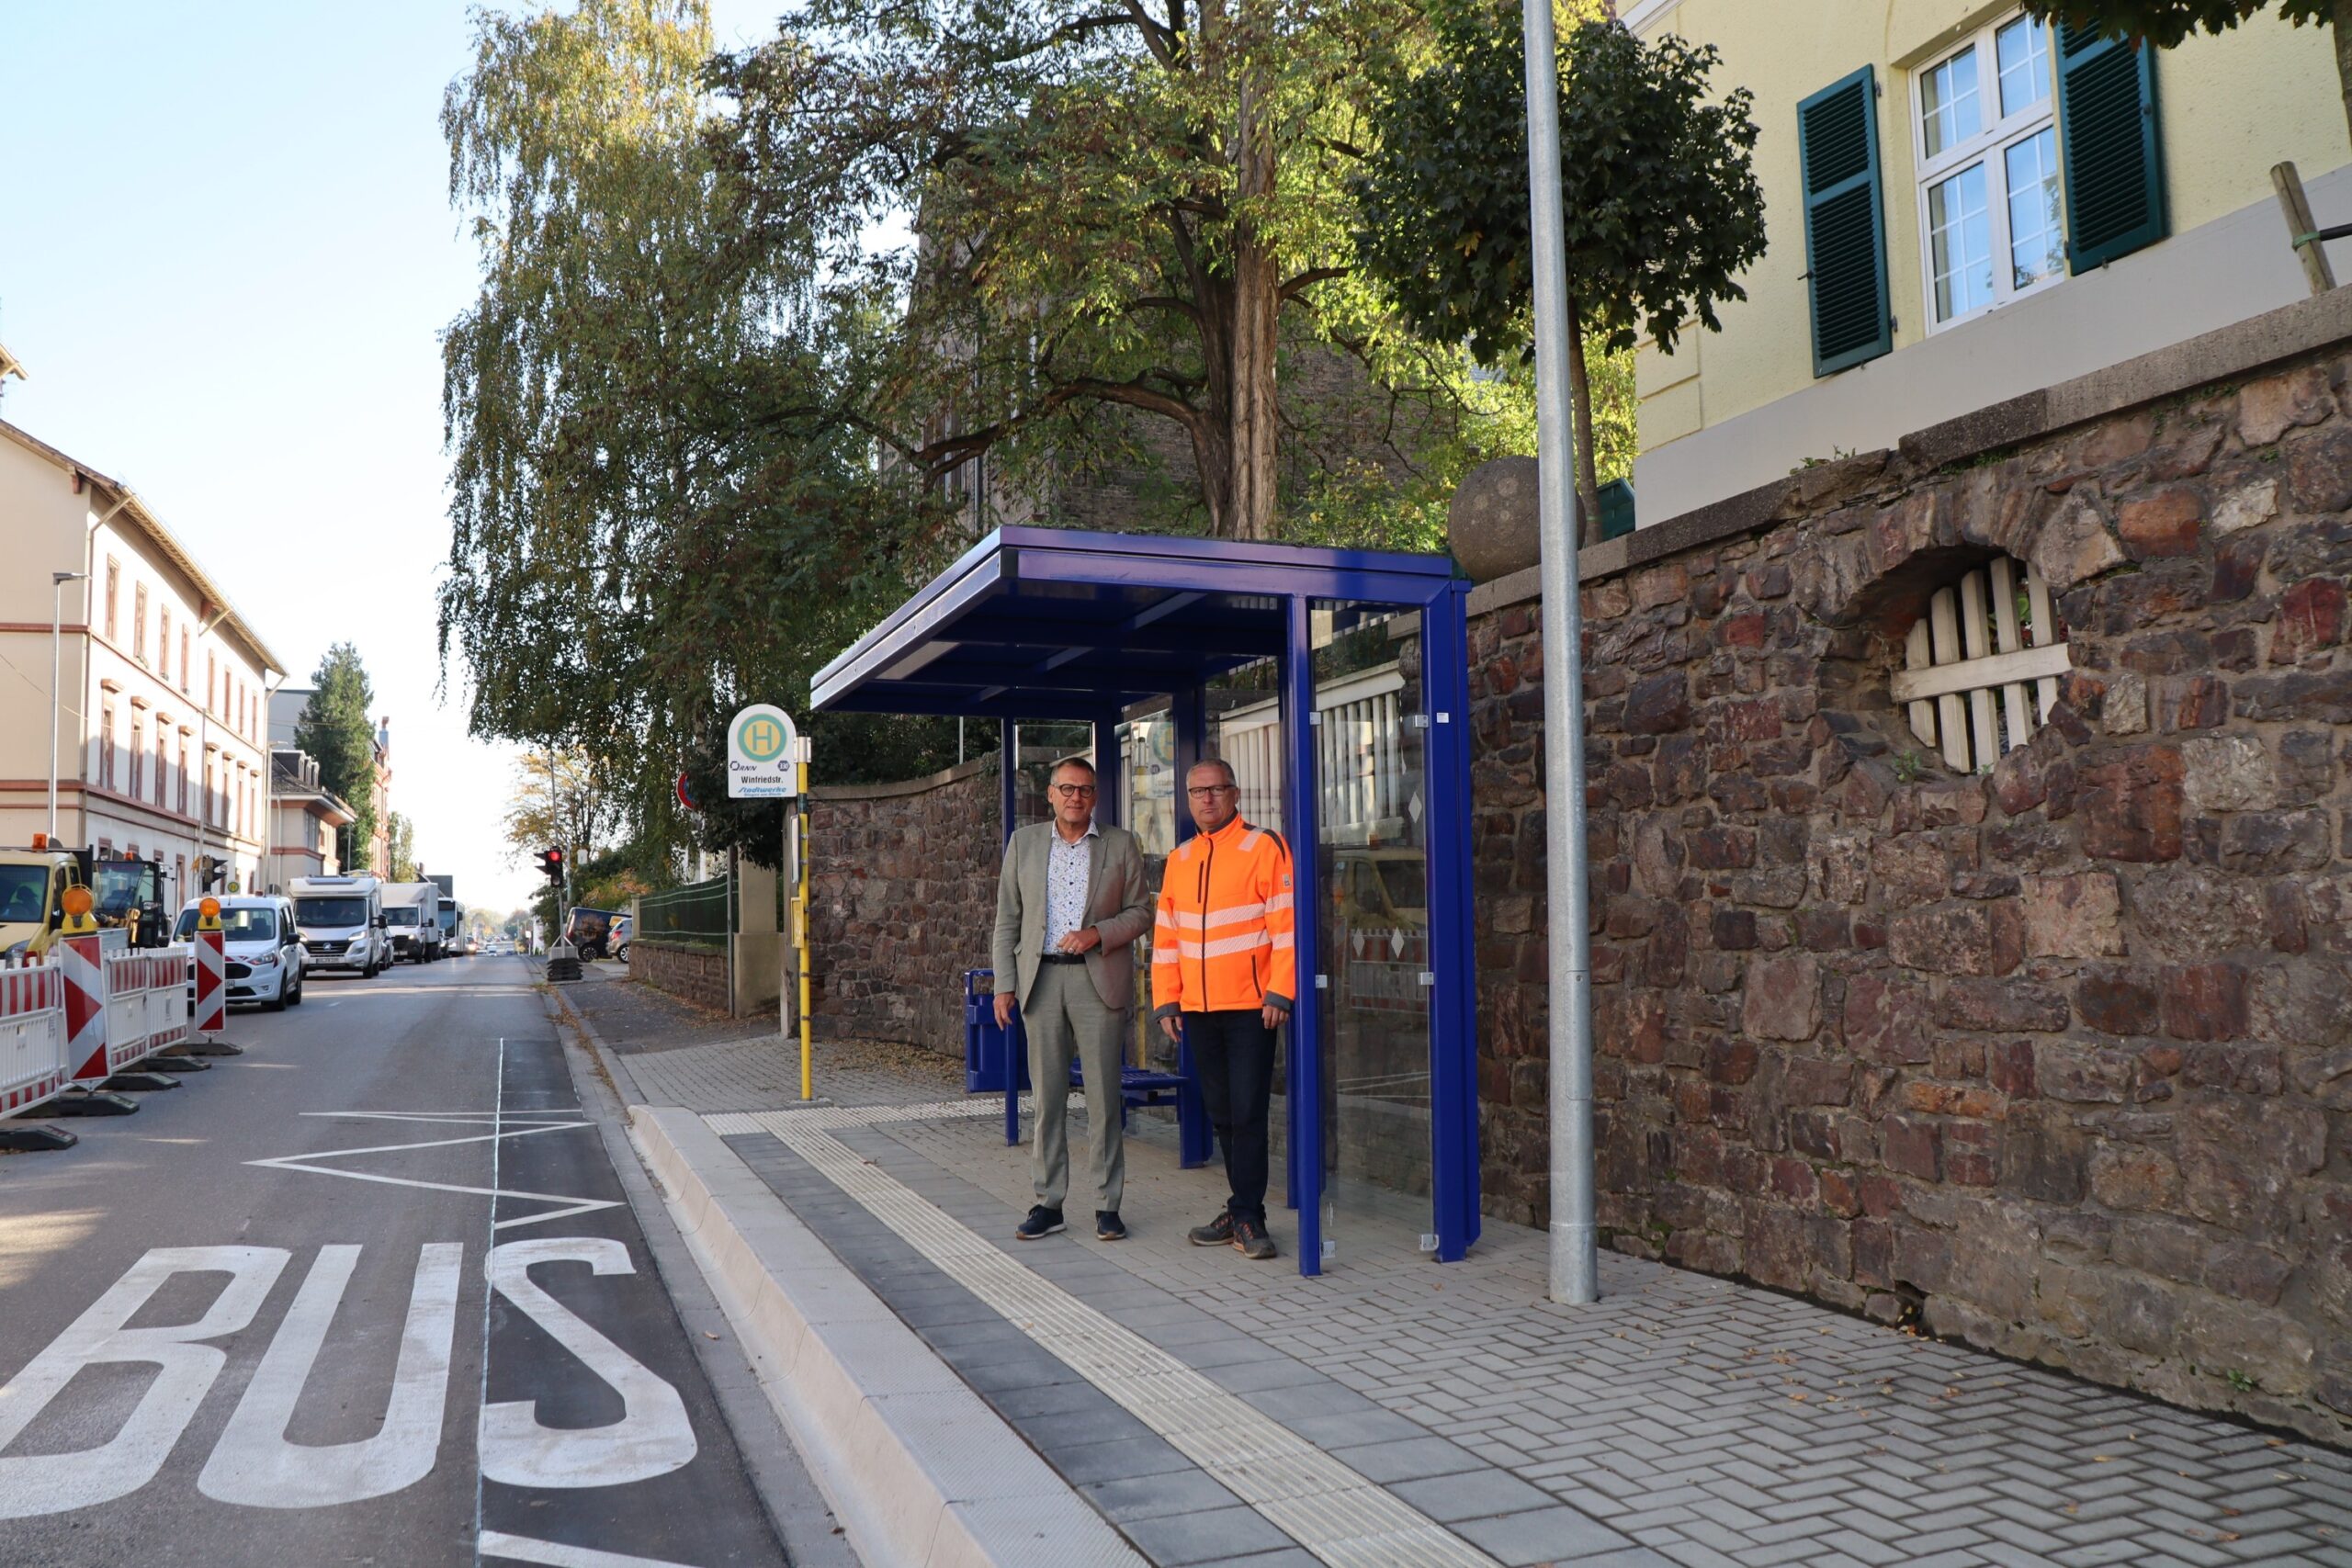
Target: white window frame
1989, 146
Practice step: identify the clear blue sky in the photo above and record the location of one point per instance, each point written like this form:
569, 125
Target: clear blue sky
225, 254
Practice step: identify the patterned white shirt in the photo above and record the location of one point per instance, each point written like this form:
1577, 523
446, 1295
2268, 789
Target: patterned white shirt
1065, 883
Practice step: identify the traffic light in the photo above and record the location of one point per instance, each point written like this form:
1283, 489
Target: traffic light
551, 865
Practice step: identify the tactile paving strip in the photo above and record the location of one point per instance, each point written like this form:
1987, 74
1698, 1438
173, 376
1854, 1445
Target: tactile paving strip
1336, 1514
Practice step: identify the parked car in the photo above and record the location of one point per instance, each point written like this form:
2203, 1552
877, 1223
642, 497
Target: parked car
261, 946
591, 930
624, 927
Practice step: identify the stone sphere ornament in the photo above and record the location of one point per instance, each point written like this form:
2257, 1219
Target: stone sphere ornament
1492, 524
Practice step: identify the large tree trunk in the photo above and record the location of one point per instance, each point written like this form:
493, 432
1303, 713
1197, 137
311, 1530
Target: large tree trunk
1580, 398
1235, 445
1256, 304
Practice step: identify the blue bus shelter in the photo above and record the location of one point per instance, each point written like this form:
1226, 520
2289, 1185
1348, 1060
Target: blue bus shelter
1336, 684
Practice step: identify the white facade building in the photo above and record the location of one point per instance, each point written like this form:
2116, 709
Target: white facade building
163, 727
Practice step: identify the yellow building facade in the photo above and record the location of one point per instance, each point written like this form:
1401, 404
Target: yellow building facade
1999, 275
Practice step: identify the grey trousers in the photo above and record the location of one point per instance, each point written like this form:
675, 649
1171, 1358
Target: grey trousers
1064, 1015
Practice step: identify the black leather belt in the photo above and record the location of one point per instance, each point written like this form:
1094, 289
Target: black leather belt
1062, 958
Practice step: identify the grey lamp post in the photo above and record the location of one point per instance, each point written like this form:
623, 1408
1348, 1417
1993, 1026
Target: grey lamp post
1576, 1257
57, 582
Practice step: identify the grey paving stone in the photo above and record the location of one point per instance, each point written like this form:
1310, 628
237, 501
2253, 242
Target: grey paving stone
1082, 1462
1407, 1459
1540, 1535
1289, 1557
1354, 1427
1174, 1540
1049, 1399
1296, 1403
1148, 1496
1106, 1423
1250, 1377
1474, 1494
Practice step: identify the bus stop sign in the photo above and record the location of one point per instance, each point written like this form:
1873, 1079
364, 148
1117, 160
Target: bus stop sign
762, 748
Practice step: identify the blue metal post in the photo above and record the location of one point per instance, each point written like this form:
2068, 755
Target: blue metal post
1297, 686
1008, 771
1454, 1011
1195, 1139
1110, 800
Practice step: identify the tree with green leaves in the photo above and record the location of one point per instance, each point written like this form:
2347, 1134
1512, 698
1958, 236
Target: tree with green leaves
401, 838
1663, 209
658, 516
1126, 218
2164, 23
335, 728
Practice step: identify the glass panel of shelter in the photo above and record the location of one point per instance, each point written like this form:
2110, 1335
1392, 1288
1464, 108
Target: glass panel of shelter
1371, 868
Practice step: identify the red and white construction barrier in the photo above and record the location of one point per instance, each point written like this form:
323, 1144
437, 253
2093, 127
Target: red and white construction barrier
146, 1001
119, 1007
32, 1033
211, 985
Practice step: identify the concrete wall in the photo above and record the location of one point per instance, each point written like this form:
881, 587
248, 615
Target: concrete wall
1711, 417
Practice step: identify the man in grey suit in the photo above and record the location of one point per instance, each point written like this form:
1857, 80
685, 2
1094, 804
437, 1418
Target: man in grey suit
1069, 904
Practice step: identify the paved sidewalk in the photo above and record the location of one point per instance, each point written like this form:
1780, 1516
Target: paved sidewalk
1219, 1411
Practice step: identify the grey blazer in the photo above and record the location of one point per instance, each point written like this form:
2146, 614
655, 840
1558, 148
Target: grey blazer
1118, 905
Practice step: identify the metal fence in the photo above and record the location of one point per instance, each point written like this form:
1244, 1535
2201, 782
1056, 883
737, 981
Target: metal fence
701, 913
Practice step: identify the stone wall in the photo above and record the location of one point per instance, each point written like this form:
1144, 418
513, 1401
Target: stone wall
697, 973
2057, 1060
902, 898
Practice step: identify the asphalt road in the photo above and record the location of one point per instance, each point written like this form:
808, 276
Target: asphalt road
368, 1293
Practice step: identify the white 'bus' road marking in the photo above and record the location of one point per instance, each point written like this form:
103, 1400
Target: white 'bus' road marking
33, 1484
253, 1465
500, 1128
653, 1435
514, 1549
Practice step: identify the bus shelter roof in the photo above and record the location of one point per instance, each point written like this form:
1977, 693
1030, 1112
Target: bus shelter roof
1053, 623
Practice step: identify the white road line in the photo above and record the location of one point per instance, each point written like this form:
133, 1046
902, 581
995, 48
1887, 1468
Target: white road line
1339, 1516
500, 1128
514, 1549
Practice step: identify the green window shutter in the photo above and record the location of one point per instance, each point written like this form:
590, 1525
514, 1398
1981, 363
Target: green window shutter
2106, 127
1845, 223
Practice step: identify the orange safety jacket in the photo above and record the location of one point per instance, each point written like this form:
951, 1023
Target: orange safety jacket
1223, 939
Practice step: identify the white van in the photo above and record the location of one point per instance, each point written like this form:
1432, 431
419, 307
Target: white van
342, 922
260, 950
413, 916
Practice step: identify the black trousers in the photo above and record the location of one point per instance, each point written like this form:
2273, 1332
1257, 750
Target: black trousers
1234, 1053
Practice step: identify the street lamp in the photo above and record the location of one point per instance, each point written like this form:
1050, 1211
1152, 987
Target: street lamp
1574, 1251
57, 582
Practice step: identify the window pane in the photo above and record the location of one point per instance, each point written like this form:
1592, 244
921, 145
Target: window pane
2024, 49
1960, 239
1948, 100
2036, 244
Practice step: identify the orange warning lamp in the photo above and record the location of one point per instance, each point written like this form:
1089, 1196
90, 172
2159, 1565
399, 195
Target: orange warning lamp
76, 904
207, 915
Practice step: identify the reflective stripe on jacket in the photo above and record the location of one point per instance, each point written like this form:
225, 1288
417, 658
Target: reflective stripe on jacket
1222, 941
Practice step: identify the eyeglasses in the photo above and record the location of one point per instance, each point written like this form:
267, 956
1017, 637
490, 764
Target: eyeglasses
1210, 792
1073, 792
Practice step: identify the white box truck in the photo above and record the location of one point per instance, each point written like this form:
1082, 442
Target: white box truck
412, 913
342, 922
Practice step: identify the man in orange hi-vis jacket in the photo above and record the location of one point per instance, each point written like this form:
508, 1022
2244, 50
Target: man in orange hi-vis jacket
1223, 972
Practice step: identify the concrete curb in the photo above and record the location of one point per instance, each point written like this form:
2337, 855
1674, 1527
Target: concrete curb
919, 1470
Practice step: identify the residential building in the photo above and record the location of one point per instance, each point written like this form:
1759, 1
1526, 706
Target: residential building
306, 820
160, 733
1966, 206
285, 709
